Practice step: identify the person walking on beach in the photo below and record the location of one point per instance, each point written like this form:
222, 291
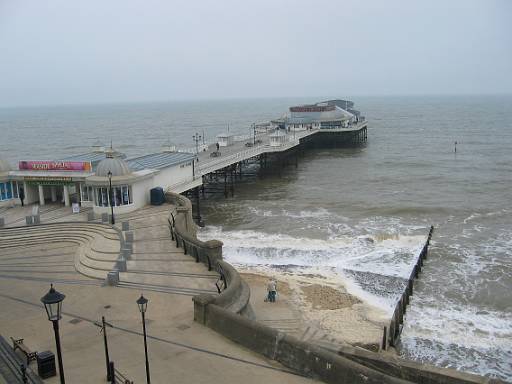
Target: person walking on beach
271, 289
218, 146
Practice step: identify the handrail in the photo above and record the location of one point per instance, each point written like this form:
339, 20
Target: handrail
235, 293
291, 140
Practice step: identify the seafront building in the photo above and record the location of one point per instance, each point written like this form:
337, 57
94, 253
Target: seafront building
85, 179
330, 114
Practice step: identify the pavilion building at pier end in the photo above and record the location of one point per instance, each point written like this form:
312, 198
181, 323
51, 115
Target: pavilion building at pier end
85, 179
330, 114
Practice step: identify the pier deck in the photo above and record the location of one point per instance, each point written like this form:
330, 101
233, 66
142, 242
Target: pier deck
238, 152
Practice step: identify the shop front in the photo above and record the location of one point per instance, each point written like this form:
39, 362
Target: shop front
51, 181
52, 189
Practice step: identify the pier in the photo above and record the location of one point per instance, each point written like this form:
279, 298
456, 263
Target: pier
228, 161
239, 152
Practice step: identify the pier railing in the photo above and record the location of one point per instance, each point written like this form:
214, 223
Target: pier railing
231, 159
391, 336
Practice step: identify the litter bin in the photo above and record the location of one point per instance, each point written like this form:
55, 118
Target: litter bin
157, 196
46, 364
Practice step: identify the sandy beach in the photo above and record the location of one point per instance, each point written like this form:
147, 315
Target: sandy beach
324, 310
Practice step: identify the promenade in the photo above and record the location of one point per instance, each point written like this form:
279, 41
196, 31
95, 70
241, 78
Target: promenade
180, 349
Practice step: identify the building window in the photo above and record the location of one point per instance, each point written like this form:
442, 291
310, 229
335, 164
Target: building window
117, 196
15, 189
87, 193
121, 196
3, 191
127, 196
8, 190
102, 196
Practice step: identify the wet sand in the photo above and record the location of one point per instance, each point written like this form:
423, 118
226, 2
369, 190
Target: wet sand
324, 311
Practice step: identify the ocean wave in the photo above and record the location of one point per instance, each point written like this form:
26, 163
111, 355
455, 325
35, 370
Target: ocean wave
319, 212
389, 255
477, 215
487, 360
467, 326
450, 333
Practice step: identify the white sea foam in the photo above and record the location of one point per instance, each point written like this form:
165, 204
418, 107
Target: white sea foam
319, 212
467, 326
388, 255
477, 215
438, 335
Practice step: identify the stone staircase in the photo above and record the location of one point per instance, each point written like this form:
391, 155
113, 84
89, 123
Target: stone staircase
98, 244
156, 264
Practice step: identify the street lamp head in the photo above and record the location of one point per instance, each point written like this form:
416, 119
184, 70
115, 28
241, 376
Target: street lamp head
53, 303
142, 302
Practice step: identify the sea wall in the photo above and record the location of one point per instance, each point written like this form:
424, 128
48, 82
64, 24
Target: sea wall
229, 314
234, 292
410, 370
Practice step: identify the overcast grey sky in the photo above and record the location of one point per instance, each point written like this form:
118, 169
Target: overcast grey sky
62, 51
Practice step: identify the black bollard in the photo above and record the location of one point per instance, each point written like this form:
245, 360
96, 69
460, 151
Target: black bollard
112, 373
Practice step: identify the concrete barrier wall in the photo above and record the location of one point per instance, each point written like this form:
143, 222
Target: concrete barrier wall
410, 370
235, 293
304, 358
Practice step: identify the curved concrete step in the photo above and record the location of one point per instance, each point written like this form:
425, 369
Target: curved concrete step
99, 245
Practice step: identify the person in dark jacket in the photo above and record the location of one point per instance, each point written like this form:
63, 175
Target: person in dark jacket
21, 195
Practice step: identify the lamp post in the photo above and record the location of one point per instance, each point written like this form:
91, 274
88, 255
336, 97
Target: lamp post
197, 139
107, 359
142, 302
53, 304
111, 196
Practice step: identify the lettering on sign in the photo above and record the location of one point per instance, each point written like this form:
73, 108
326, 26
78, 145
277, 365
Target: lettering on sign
84, 166
49, 178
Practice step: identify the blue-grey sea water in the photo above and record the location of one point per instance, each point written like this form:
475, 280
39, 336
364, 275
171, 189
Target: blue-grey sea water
320, 214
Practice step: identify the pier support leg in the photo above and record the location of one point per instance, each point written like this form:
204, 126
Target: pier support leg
197, 217
232, 187
225, 185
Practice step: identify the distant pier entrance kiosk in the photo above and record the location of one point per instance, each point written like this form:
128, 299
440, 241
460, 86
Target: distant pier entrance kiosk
55, 181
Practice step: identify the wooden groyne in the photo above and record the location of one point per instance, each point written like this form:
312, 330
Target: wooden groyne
391, 335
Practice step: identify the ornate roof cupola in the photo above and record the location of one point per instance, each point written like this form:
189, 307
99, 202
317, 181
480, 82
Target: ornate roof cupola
116, 165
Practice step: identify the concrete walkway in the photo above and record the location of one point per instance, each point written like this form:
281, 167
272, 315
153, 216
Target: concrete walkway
49, 213
157, 264
180, 350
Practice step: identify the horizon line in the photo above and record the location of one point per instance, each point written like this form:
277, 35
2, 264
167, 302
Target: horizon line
247, 98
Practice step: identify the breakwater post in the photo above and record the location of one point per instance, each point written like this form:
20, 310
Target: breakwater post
391, 335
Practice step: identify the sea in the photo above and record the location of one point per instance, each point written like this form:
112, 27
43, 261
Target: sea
360, 213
